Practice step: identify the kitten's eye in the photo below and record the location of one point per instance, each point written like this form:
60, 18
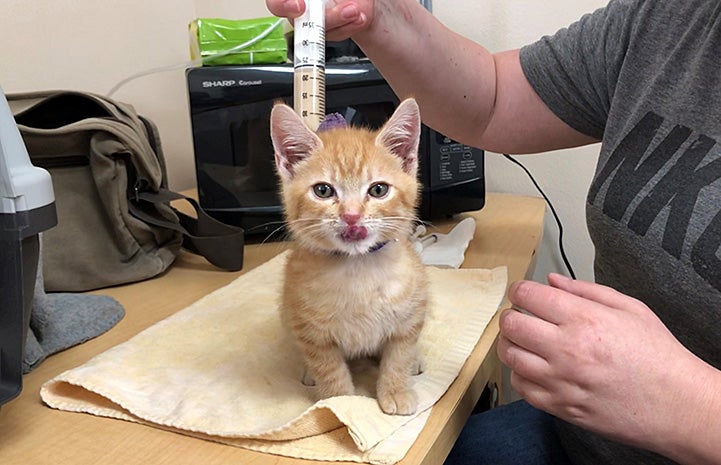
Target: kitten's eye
378, 190
323, 191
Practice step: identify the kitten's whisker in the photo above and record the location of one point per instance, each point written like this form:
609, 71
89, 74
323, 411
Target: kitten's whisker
279, 228
311, 228
427, 224
284, 227
298, 220
263, 225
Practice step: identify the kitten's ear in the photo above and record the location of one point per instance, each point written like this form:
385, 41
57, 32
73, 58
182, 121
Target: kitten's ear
402, 133
293, 141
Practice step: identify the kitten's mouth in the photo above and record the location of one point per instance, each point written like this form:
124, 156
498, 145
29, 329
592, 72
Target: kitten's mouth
354, 233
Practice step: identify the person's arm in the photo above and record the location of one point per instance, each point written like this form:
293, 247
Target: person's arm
464, 91
604, 361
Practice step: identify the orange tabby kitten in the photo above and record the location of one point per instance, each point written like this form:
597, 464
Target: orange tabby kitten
354, 285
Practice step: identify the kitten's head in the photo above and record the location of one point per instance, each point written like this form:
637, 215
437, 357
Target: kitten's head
348, 190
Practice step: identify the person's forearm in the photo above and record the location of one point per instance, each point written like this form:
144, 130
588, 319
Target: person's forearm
468, 94
695, 419
464, 91
452, 78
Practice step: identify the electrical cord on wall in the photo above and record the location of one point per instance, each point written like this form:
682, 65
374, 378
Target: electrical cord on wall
197, 62
553, 211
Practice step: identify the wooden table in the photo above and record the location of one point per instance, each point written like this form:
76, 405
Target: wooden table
508, 232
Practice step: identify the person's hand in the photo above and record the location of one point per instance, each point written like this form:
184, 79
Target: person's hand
344, 18
603, 361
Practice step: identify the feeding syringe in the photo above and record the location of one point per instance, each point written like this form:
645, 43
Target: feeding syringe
309, 64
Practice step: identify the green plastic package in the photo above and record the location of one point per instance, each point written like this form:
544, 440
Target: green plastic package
214, 36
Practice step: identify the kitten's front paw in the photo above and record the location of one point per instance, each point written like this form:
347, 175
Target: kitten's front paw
403, 402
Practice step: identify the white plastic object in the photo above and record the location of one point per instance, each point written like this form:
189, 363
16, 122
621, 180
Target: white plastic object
446, 250
22, 186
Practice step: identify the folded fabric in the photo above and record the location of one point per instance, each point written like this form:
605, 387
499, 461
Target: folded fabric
61, 320
224, 369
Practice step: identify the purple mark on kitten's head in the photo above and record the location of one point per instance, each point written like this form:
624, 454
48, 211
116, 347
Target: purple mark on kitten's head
332, 121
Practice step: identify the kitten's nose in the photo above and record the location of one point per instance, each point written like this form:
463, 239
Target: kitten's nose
350, 218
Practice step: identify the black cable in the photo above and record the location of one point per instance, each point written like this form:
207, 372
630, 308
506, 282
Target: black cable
553, 210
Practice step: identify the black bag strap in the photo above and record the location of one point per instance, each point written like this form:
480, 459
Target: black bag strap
221, 244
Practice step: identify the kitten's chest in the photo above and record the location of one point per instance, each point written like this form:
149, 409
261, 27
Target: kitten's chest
352, 291
363, 314
360, 305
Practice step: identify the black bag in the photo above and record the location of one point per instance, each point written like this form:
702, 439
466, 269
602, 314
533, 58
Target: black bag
115, 221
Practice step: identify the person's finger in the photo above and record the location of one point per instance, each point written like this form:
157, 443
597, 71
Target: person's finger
522, 361
546, 302
535, 394
595, 292
343, 20
286, 8
529, 332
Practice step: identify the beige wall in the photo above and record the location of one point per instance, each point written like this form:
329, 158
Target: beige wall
73, 44
86, 45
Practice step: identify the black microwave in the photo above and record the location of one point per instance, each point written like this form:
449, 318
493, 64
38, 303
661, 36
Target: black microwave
237, 184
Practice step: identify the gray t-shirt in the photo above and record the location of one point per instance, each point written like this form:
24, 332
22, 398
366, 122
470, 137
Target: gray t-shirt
645, 77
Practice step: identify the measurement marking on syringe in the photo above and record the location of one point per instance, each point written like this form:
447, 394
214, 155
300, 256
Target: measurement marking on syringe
309, 64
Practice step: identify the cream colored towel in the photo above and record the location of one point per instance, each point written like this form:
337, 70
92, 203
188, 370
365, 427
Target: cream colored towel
223, 369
